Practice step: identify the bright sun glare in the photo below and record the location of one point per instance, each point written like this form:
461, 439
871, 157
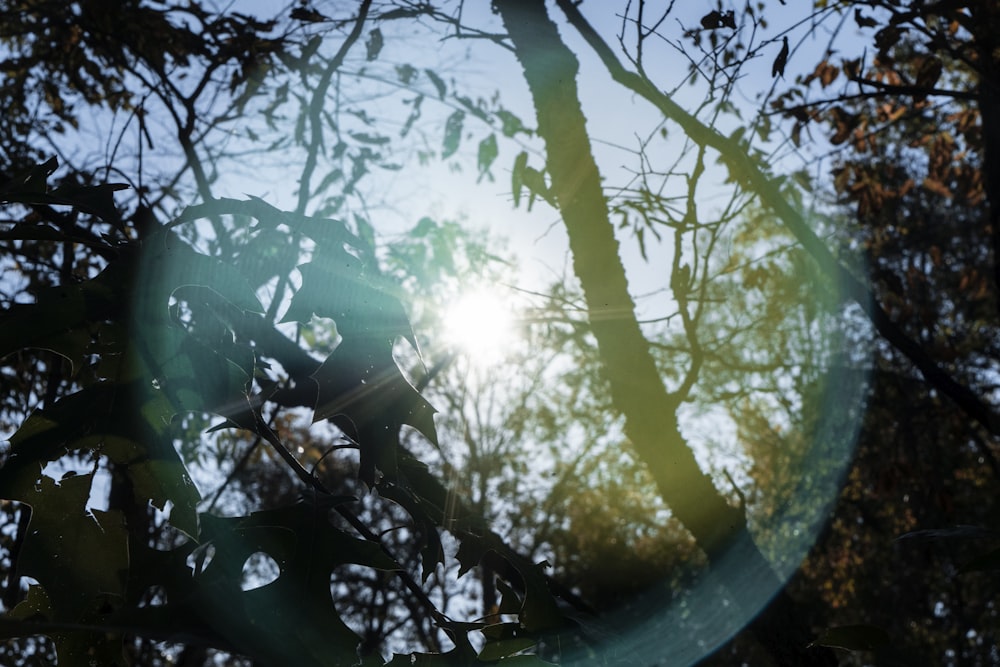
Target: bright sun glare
481, 324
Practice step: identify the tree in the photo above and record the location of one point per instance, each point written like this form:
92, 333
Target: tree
911, 174
189, 302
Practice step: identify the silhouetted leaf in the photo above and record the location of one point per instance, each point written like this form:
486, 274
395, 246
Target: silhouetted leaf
62, 320
431, 549
79, 557
308, 15
778, 67
862, 20
31, 180
716, 19
94, 199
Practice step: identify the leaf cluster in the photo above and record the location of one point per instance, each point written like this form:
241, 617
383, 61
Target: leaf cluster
162, 335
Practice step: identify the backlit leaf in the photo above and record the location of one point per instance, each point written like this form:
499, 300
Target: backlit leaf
452, 133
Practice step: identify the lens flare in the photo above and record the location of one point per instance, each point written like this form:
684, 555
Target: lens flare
481, 325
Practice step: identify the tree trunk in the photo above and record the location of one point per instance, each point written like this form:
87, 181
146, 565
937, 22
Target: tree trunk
988, 21
637, 390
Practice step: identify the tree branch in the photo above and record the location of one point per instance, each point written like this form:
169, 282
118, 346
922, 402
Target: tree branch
637, 390
745, 170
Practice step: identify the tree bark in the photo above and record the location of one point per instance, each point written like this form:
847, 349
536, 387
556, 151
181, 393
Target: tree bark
637, 391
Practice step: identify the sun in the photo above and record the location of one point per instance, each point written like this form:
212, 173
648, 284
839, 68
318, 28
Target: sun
481, 325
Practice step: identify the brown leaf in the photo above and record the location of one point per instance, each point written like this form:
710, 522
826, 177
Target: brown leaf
828, 74
937, 187
844, 124
852, 68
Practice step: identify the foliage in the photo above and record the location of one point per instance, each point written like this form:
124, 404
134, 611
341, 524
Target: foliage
609, 471
163, 331
904, 121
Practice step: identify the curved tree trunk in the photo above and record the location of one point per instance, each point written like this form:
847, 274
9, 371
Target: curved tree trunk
637, 390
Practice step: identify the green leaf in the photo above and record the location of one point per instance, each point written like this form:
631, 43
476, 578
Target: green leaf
35, 606
487, 155
61, 320
539, 611
35, 616
374, 44
308, 632
475, 108
333, 287
261, 622
431, 549
365, 138
405, 73
439, 84
128, 424
363, 392
517, 177
328, 546
470, 554
534, 180
510, 124
803, 179
414, 115
853, 638
163, 480
510, 602
62, 531
166, 263
361, 389
452, 134
73, 422
197, 366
